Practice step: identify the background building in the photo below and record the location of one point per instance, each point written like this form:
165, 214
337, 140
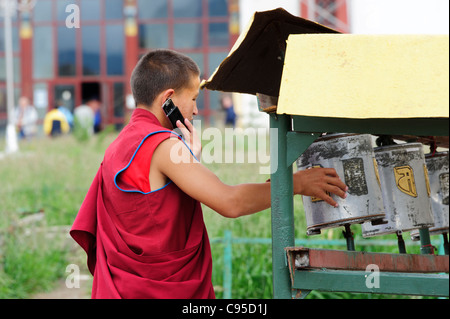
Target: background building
55, 62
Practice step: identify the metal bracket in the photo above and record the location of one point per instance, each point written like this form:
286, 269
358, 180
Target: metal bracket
298, 142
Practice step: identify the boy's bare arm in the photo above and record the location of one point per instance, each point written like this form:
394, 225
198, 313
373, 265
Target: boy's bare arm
233, 201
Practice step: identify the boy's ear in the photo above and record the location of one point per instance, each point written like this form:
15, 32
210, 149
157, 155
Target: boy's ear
167, 93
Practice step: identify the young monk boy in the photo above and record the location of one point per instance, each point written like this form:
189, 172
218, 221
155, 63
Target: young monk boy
141, 222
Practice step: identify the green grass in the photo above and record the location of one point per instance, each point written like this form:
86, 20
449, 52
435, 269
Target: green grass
30, 267
51, 175
54, 175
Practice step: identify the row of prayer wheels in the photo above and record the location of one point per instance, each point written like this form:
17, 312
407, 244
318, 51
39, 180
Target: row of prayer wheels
392, 188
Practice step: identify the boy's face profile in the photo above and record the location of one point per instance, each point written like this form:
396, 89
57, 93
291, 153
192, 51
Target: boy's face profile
186, 98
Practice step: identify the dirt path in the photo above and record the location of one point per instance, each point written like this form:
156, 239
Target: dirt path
61, 290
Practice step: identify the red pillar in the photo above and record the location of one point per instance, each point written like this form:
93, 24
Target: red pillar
304, 9
342, 15
26, 58
234, 29
131, 41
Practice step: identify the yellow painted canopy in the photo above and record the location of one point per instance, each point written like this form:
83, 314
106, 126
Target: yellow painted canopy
366, 76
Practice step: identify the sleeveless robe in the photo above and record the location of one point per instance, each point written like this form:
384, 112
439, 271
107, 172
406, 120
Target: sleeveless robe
141, 243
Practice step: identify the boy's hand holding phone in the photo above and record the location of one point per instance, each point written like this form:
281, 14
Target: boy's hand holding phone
184, 126
191, 137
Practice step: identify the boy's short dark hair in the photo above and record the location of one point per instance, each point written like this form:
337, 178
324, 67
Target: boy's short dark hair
160, 70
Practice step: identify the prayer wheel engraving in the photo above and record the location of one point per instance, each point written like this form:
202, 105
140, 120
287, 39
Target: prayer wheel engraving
437, 166
352, 156
405, 189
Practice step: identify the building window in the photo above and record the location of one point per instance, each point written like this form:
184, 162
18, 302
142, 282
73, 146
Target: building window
90, 10
218, 35
199, 59
16, 63
40, 98
153, 36
214, 61
187, 36
119, 93
43, 52
114, 49
155, 9
61, 5
218, 8
187, 8
66, 51
15, 38
42, 11
64, 96
91, 49
114, 9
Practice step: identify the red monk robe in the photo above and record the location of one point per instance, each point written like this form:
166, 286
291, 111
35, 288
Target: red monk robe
139, 243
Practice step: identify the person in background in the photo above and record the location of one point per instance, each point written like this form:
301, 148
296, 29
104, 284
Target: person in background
26, 118
230, 116
67, 113
55, 123
95, 104
84, 118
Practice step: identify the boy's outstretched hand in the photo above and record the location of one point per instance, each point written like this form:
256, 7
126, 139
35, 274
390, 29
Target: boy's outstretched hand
320, 182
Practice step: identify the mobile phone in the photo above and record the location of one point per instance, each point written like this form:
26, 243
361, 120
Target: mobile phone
172, 112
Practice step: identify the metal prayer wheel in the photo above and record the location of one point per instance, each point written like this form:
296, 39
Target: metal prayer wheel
439, 187
405, 187
352, 156
438, 174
